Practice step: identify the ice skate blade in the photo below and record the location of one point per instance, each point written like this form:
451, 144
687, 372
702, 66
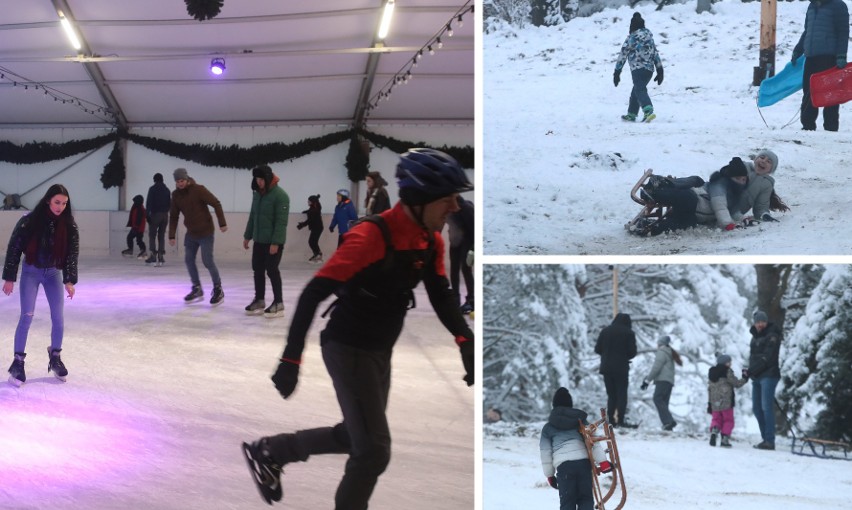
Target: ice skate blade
15, 382
60, 377
274, 315
194, 300
254, 312
268, 494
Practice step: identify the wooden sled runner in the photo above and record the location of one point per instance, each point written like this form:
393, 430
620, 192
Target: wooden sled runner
611, 449
651, 211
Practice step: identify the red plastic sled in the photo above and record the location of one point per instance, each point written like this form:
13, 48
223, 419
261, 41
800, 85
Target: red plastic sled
831, 87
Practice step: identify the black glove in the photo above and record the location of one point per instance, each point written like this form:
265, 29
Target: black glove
616, 77
466, 349
300, 226
331, 229
552, 481
659, 78
745, 373
709, 408
767, 217
286, 377
644, 385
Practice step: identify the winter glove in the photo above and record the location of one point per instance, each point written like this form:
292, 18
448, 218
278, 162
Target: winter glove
331, 229
644, 385
841, 61
709, 408
286, 377
730, 226
300, 226
745, 373
552, 481
604, 467
767, 217
466, 349
659, 78
616, 77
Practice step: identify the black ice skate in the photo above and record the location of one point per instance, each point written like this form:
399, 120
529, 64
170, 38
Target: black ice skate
218, 296
276, 309
56, 365
196, 294
17, 376
264, 471
128, 252
256, 307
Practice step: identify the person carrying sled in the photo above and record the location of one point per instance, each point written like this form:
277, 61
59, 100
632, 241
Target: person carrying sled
373, 274
616, 346
564, 458
663, 374
639, 50
720, 399
824, 44
764, 372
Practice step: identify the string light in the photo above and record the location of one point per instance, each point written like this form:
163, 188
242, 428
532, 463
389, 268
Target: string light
404, 75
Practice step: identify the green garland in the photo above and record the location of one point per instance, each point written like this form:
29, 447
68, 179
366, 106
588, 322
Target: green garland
232, 156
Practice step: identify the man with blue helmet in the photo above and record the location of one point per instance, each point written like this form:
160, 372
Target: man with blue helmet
373, 274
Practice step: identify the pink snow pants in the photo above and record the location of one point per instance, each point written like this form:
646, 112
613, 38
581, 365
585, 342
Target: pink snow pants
724, 421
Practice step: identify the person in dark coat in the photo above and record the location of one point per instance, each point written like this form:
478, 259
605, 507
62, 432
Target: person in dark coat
764, 371
159, 202
314, 224
460, 233
617, 346
377, 200
823, 43
564, 458
136, 222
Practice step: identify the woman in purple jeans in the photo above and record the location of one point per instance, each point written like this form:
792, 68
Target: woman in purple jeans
50, 243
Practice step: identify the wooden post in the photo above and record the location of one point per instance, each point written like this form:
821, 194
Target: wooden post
766, 67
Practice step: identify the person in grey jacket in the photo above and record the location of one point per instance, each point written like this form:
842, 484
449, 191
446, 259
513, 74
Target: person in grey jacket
759, 195
663, 375
824, 44
564, 458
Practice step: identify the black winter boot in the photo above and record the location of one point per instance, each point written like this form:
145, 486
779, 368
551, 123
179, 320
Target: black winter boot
713, 433
726, 441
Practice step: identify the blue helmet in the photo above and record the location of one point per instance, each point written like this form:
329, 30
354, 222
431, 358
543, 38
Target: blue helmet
425, 175
343, 192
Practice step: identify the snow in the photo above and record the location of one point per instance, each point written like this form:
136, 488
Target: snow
669, 471
560, 163
161, 394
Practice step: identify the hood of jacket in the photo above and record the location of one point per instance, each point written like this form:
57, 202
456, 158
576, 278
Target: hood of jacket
717, 372
566, 418
622, 319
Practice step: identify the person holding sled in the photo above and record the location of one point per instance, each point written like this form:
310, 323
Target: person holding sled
662, 373
720, 399
564, 458
373, 274
824, 44
639, 50
616, 346
765, 372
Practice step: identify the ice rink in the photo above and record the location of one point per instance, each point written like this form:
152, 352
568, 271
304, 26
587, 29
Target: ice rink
160, 394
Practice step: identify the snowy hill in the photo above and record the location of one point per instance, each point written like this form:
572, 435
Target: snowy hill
671, 472
559, 163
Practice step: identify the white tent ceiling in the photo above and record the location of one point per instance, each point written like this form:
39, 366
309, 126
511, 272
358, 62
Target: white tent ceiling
288, 62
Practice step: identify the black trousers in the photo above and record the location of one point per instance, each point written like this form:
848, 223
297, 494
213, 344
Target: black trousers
683, 203
313, 241
264, 263
135, 234
458, 254
157, 230
574, 479
830, 114
616, 396
361, 381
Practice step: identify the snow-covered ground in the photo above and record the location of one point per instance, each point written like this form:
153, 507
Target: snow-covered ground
559, 163
161, 394
672, 472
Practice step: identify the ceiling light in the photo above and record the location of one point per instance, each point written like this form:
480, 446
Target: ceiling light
217, 66
69, 31
384, 26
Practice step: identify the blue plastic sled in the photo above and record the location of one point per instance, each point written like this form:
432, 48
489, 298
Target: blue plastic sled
783, 84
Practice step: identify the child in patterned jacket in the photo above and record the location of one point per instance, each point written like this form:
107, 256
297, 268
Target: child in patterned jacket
720, 400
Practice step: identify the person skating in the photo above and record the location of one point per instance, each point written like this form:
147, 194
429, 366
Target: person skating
315, 226
192, 200
365, 323
267, 226
136, 221
720, 399
49, 241
764, 372
639, 50
344, 215
564, 458
460, 231
159, 202
377, 199
616, 346
663, 375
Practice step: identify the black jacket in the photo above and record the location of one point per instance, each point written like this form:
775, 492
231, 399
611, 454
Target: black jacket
763, 352
159, 198
617, 346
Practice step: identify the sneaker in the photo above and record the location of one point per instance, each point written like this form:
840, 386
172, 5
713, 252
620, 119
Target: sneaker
726, 441
630, 117
56, 365
128, 252
264, 470
713, 433
142, 256
196, 294
275, 310
218, 296
256, 307
17, 375
648, 114
151, 259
